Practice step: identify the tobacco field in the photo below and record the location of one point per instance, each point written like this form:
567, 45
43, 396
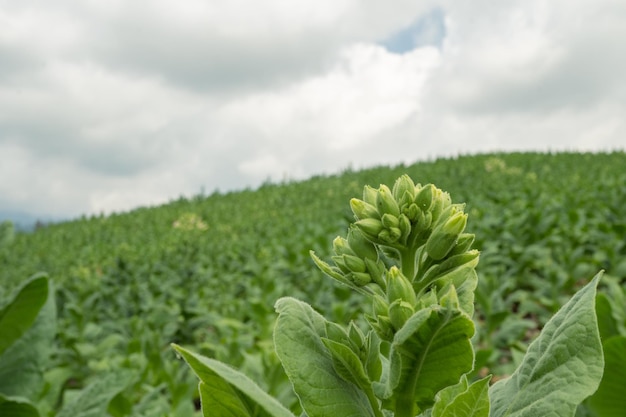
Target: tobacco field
89, 308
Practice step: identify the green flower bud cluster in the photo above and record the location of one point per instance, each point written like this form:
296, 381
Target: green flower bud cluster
406, 215
445, 236
447, 247
406, 248
391, 312
401, 297
412, 218
379, 217
357, 263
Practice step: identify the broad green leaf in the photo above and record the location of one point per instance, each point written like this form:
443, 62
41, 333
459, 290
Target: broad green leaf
20, 313
560, 369
607, 325
23, 362
465, 281
309, 365
463, 399
54, 383
610, 399
347, 364
17, 407
616, 297
431, 351
220, 399
93, 400
226, 392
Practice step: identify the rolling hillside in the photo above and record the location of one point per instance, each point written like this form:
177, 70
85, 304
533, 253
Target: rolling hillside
206, 271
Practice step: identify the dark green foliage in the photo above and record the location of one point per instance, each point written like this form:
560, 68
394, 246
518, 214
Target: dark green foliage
205, 272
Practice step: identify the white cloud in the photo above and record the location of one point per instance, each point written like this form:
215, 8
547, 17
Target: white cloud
336, 115
106, 105
99, 118
530, 56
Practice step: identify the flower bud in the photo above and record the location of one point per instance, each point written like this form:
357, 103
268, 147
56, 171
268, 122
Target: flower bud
356, 337
385, 203
399, 287
341, 246
424, 197
335, 332
426, 220
331, 271
362, 247
354, 263
456, 224
413, 212
405, 201
399, 312
469, 258
462, 244
363, 210
421, 219
445, 236
389, 221
450, 299
372, 288
383, 327
405, 228
441, 201
376, 270
438, 245
395, 233
370, 227
359, 279
370, 195
341, 264
379, 306
428, 299
448, 212
402, 186
390, 236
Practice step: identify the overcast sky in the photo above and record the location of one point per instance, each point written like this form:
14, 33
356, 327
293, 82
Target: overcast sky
106, 105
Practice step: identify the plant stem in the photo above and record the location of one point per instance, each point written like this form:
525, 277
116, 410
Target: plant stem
405, 403
374, 403
407, 261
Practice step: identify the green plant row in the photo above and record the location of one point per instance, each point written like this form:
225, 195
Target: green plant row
407, 253
205, 272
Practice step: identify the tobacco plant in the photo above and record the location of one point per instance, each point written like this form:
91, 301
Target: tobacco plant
408, 255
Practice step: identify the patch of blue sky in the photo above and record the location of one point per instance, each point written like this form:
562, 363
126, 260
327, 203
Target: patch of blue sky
426, 30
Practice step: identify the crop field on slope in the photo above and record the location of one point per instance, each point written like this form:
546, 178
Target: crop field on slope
205, 273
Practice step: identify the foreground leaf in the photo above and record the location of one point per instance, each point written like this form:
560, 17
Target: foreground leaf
431, 351
347, 364
465, 280
607, 325
560, 369
309, 364
16, 407
20, 313
610, 399
463, 400
23, 362
95, 398
226, 392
